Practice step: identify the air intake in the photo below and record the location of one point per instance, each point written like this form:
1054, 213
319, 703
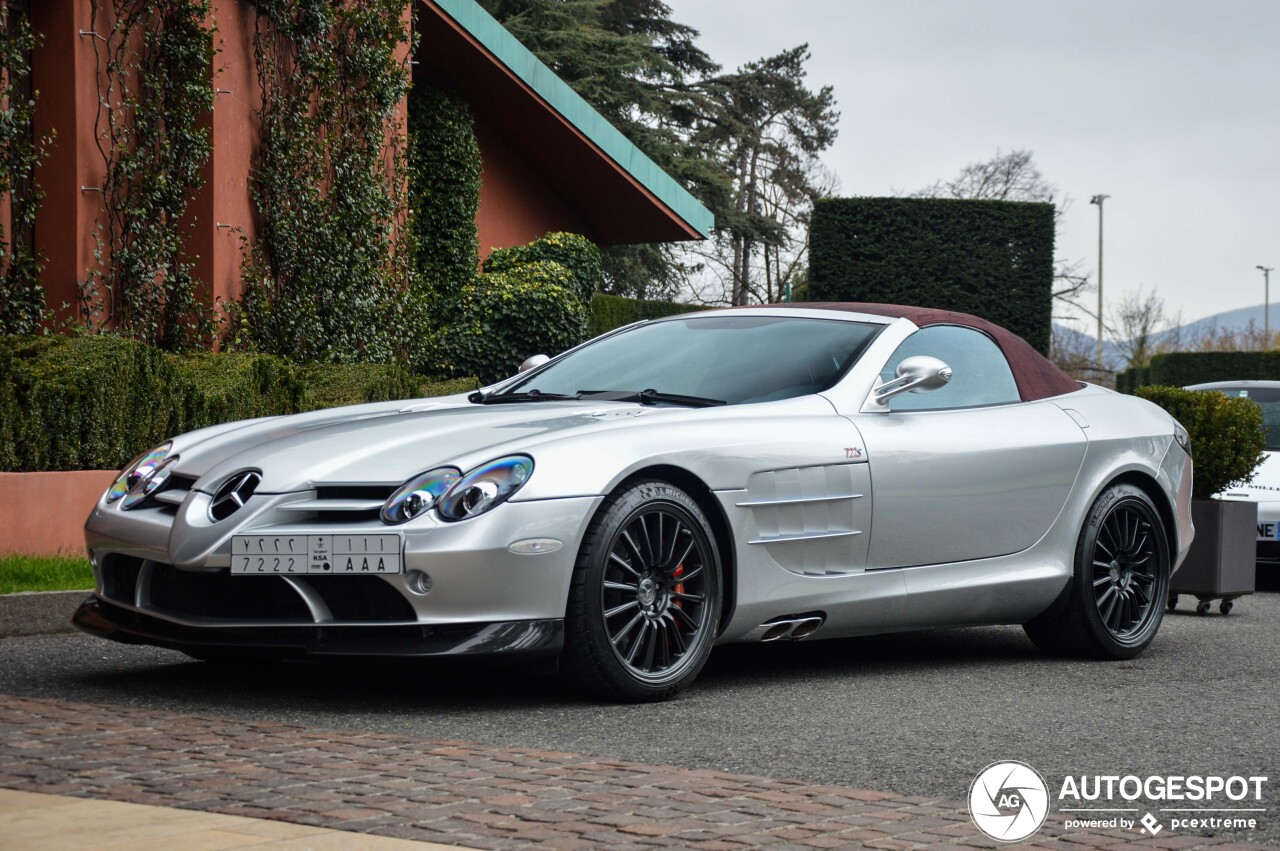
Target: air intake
233, 494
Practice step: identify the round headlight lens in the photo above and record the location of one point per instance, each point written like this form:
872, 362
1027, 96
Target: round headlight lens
140, 468
149, 485
419, 495
486, 487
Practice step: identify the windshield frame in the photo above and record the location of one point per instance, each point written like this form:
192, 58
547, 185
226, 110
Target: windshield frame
875, 324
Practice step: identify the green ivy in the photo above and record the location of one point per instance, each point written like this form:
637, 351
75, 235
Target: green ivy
330, 276
504, 317
154, 61
22, 305
576, 253
444, 192
1227, 435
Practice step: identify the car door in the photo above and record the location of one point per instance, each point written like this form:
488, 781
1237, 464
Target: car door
968, 471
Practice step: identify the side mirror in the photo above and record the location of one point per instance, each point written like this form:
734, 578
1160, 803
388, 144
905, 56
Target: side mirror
534, 361
919, 374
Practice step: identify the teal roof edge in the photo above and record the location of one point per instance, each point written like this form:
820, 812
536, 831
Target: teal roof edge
564, 100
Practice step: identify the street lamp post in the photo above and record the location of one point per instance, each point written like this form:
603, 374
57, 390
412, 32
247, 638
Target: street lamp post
1266, 311
1098, 199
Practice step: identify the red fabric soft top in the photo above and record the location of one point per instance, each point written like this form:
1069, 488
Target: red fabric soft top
1037, 376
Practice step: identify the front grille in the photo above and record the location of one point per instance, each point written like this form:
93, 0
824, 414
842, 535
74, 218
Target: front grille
219, 595
343, 503
1269, 551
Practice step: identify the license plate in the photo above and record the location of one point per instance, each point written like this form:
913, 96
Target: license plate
1269, 531
340, 555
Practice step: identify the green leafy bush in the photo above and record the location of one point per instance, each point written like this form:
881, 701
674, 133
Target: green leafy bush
74, 403
1227, 435
575, 253
504, 317
612, 311
993, 259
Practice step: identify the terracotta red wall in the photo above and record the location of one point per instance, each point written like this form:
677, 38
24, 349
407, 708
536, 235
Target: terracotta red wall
517, 205
44, 513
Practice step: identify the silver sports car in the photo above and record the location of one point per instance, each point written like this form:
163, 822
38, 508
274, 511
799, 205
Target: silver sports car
753, 474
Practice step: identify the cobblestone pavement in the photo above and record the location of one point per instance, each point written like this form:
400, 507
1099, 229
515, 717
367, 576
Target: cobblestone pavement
466, 793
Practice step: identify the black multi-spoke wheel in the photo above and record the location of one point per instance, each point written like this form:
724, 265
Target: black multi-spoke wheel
645, 601
1124, 579
1121, 584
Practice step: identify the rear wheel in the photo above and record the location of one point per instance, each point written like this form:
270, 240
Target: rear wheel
644, 605
1120, 588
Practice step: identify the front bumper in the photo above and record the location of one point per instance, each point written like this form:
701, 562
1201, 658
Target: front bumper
126, 624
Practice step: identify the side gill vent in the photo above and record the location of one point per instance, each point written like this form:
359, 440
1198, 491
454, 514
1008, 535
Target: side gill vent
233, 494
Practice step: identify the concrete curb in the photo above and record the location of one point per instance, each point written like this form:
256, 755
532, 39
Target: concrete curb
38, 612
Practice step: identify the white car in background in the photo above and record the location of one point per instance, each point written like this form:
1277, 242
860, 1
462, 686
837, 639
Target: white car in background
1265, 487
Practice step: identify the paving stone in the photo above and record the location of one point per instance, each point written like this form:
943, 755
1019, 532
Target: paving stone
471, 794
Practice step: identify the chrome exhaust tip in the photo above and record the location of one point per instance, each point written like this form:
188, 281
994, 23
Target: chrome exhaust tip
805, 627
788, 627
778, 631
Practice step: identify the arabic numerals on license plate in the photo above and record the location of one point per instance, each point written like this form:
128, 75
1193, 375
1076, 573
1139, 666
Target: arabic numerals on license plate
274, 554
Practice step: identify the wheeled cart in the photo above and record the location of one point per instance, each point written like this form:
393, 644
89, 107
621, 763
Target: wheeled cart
1204, 604
1222, 562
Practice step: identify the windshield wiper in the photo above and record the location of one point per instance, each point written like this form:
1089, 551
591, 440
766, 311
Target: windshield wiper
652, 397
529, 396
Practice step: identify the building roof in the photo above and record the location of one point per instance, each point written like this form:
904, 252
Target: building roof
595, 168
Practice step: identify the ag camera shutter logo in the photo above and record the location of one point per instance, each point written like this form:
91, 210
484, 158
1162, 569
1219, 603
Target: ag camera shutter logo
1008, 801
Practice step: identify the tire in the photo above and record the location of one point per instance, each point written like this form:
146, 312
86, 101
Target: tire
1120, 586
644, 604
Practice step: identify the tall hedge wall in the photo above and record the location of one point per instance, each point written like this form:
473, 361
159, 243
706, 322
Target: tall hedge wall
993, 259
612, 311
82, 403
1180, 369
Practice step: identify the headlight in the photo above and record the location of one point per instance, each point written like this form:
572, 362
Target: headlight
138, 469
419, 495
485, 487
149, 485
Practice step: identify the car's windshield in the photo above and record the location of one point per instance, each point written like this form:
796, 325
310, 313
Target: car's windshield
1268, 399
729, 358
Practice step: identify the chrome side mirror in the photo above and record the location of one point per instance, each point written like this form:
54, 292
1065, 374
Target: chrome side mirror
919, 374
534, 361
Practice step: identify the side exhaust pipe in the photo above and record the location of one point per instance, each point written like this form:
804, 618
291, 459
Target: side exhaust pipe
788, 628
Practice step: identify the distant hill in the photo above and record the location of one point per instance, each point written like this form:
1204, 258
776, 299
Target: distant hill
1233, 320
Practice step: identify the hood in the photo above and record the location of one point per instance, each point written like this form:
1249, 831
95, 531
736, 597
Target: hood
386, 443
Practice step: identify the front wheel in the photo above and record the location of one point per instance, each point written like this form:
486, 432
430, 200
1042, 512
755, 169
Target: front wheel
1120, 586
644, 605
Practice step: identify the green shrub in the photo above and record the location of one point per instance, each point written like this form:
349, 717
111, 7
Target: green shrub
612, 311
993, 259
1180, 369
575, 253
1227, 435
236, 386
333, 385
74, 403
87, 402
504, 317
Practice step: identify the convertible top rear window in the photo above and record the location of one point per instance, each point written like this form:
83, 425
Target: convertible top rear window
734, 358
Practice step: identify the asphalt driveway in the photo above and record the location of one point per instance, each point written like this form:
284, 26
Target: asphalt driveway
916, 714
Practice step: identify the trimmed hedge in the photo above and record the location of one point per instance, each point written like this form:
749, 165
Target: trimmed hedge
612, 311
1227, 435
993, 259
575, 253
504, 317
77, 403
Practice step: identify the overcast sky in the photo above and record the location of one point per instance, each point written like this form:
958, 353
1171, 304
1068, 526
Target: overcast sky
1172, 108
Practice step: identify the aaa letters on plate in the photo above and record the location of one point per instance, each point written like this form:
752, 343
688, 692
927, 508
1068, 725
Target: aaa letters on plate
262, 555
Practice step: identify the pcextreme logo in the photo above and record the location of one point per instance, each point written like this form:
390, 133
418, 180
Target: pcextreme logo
1008, 801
